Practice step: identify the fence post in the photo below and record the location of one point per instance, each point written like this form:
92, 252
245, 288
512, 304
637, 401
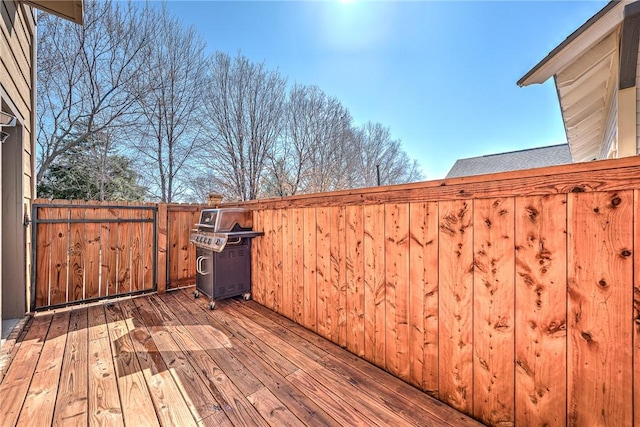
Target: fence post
161, 259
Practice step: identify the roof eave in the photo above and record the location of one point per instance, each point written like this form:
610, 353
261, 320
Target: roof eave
597, 27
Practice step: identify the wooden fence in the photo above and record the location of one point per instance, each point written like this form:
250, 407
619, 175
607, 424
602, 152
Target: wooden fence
509, 297
89, 250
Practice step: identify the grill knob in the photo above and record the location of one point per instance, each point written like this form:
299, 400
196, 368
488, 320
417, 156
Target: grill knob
209, 241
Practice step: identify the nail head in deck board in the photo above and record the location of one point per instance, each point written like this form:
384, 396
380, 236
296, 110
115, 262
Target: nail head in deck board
455, 255
423, 282
338, 291
310, 265
374, 284
137, 406
39, 403
493, 311
541, 315
600, 393
72, 399
396, 238
354, 266
15, 383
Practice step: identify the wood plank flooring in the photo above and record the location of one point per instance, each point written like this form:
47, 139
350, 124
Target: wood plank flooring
168, 360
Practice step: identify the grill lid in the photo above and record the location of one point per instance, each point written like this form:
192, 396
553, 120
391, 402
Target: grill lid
225, 220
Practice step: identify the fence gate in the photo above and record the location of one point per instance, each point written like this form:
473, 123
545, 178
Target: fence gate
85, 252
181, 255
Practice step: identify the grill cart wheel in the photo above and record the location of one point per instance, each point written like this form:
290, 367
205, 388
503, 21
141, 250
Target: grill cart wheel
246, 297
196, 294
212, 305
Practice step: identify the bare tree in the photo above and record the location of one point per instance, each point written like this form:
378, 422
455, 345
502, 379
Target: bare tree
244, 105
169, 130
378, 152
313, 154
87, 75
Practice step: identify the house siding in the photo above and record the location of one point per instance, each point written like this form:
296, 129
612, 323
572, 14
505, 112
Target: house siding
610, 133
17, 39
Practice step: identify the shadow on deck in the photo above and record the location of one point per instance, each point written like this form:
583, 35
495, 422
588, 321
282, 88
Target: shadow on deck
168, 360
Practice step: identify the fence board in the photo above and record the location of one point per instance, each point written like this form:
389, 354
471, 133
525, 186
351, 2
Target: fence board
541, 314
323, 257
338, 290
287, 263
455, 254
162, 266
297, 272
109, 265
59, 257
267, 252
123, 262
257, 268
493, 310
600, 286
374, 284
276, 256
310, 283
76, 255
397, 290
173, 254
92, 247
136, 250
423, 285
354, 266
148, 250
44, 244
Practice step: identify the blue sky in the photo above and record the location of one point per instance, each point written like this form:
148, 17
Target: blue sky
441, 75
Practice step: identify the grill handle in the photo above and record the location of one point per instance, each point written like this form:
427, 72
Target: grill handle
237, 241
199, 267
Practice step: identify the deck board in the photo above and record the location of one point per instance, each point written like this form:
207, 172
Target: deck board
169, 360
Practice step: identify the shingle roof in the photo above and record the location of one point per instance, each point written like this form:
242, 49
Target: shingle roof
514, 160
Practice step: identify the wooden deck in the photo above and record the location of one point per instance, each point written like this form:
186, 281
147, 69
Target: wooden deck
168, 360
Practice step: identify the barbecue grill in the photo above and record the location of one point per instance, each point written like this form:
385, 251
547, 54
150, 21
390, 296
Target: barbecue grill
222, 239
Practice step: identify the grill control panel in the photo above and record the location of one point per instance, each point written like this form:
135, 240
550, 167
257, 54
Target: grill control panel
215, 242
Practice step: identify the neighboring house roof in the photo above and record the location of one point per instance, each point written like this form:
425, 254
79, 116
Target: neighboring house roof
514, 160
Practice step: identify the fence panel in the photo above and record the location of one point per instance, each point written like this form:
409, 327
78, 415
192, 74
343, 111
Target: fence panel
509, 297
85, 251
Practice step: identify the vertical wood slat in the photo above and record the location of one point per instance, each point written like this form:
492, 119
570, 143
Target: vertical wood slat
136, 249
286, 242
297, 268
337, 291
636, 308
423, 283
374, 284
354, 266
76, 253
276, 258
257, 264
59, 257
455, 257
44, 266
173, 247
123, 283
162, 249
541, 314
310, 281
268, 285
600, 290
148, 249
396, 238
93, 248
323, 268
109, 265
493, 310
